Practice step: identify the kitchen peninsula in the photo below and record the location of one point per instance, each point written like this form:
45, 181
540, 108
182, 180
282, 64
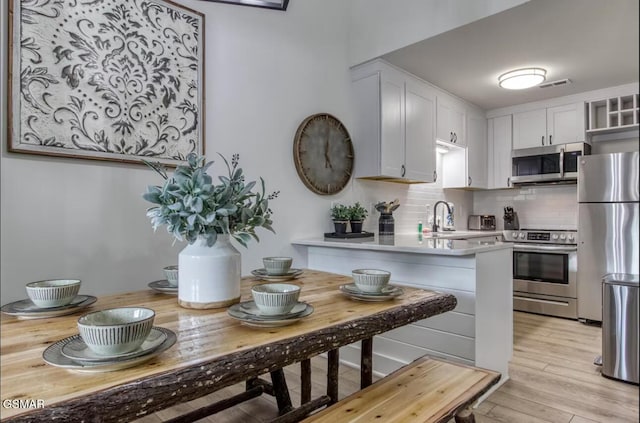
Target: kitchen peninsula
479, 331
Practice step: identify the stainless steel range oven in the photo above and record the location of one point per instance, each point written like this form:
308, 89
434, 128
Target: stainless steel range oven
544, 271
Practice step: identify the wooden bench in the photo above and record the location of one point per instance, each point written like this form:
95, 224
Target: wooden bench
427, 390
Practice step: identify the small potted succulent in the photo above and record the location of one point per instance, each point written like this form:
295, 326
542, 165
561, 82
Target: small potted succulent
357, 214
340, 216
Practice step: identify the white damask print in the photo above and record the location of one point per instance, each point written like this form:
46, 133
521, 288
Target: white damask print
107, 79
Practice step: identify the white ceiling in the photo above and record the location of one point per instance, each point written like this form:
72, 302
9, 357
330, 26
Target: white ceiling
594, 43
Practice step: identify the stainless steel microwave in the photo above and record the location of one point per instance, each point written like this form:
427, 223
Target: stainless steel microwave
547, 165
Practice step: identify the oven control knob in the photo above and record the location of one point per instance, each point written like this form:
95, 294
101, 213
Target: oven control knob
515, 235
554, 236
563, 237
572, 238
521, 235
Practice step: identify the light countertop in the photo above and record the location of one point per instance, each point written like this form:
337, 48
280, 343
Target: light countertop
442, 245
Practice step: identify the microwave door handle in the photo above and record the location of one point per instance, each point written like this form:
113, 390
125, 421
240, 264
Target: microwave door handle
562, 162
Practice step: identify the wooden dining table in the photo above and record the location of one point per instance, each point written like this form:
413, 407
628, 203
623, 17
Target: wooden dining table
212, 351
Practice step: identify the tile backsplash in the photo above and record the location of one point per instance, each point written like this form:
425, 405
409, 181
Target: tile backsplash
538, 207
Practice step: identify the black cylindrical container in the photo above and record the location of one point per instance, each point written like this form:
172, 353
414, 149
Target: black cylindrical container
386, 224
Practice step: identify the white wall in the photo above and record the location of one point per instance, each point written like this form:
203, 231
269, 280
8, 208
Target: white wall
381, 26
266, 71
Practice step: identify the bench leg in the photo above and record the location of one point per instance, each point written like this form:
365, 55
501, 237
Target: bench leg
305, 381
332, 375
465, 416
281, 391
366, 363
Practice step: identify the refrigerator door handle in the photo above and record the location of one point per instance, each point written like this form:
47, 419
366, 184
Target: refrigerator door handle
562, 162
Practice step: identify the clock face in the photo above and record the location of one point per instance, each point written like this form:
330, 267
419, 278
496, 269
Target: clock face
323, 154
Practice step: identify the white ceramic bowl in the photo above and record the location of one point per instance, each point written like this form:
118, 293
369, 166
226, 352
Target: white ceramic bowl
275, 298
116, 331
53, 293
370, 280
276, 266
171, 273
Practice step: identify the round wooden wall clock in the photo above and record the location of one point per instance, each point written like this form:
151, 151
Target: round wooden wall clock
323, 154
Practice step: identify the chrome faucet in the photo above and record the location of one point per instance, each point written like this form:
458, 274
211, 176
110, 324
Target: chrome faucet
434, 228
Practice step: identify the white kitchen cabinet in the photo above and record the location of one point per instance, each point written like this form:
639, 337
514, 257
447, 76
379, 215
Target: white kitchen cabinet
549, 126
467, 167
476, 150
394, 133
615, 114
450, 122
499, 152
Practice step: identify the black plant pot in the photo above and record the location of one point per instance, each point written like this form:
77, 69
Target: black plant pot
340, 226
356, 226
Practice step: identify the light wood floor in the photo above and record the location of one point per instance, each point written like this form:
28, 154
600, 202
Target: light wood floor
552, 380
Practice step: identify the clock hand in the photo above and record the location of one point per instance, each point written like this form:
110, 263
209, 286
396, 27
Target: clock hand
327, 160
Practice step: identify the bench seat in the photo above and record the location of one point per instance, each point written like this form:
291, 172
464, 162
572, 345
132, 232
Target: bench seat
427, 390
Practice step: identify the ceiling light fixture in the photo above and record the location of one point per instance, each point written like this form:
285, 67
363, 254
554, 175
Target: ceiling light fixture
520, 79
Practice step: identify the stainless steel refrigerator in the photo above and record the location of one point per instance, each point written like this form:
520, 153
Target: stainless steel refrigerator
607, 225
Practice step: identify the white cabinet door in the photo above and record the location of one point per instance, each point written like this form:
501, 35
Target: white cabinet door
394, 130
476, 150
530, 129
450, 121
392, 123
565, 124
420, 111
499, 152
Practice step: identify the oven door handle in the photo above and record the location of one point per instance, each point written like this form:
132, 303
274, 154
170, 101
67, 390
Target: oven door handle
539, 300
544, 248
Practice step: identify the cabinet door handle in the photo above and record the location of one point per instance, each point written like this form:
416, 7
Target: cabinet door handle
543, 140
403, 170
509, 181
450, 136
435, 176
455, 137
470, 180
550, 139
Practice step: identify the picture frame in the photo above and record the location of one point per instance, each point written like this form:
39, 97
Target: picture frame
266, 4
117, 81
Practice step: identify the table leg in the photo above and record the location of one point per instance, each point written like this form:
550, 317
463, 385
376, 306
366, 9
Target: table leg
366, 363
281, 391
305, 381
332, 375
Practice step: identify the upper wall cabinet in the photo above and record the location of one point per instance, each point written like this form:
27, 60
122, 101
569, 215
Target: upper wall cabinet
394, 133
614, 114
476, 150
499, 152
553, 125
467, 167
450, 126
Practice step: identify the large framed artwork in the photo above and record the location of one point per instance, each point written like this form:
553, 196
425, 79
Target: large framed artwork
106, 79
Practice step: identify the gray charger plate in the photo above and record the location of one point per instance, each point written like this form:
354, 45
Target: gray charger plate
77, 350
262, 274
163, 286
53, 356
26, 309
388, 293
237, 313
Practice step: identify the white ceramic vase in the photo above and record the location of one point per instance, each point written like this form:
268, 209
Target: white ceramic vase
209, 277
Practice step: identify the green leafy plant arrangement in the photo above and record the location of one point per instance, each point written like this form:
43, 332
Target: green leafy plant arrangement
191, 206
357, 212
339, 212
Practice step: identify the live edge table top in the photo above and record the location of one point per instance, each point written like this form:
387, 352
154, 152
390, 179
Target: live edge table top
212, 350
